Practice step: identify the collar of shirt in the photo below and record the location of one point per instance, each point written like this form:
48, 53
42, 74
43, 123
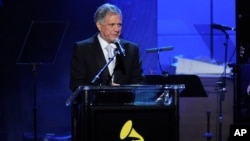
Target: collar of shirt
103, 43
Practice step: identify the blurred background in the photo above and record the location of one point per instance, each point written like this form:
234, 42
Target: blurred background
183, 25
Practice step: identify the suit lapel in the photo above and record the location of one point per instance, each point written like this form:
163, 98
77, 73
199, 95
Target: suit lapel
100, 59
120, 68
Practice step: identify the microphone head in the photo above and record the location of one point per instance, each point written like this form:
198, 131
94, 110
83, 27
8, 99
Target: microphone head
119, 46
117, 40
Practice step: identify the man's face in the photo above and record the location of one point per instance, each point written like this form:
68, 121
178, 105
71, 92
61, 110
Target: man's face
110, 29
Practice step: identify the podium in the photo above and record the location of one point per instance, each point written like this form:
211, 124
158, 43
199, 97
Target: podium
132, 112
193, 84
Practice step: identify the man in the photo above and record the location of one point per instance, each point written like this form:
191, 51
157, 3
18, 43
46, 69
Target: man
89, 55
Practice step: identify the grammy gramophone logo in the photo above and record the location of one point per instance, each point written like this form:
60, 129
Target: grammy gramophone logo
128, 133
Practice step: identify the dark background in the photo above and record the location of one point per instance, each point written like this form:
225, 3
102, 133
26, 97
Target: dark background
17, 81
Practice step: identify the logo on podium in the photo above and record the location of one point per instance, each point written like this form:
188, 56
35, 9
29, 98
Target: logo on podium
128, 133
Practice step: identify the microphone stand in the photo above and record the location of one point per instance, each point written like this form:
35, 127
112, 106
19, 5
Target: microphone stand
97, 76
208, 134
34, 70
164, 73
222, 88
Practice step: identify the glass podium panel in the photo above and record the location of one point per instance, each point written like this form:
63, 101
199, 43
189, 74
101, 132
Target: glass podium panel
127, 94
125, 112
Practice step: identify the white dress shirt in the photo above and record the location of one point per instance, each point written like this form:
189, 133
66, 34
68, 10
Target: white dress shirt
104, 44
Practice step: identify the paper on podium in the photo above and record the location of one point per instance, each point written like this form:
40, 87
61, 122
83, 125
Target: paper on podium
189, 66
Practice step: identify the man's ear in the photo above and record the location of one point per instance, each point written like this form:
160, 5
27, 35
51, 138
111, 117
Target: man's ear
98, 25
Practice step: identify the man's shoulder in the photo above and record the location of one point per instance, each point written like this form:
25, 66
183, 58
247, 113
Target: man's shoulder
89, 40
86, 41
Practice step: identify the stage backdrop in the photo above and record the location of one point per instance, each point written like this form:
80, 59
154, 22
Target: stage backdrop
185, 25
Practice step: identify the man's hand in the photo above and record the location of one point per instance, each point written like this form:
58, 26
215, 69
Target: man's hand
115, 84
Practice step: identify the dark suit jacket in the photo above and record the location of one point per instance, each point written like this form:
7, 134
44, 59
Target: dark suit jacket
88, 59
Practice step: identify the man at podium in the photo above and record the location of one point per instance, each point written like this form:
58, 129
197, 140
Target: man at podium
91, 61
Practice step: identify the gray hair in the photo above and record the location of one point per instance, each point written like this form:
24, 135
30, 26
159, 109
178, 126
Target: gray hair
105, 9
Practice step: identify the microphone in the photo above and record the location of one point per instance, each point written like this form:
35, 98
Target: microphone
151, 50
222, 27
119, 46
